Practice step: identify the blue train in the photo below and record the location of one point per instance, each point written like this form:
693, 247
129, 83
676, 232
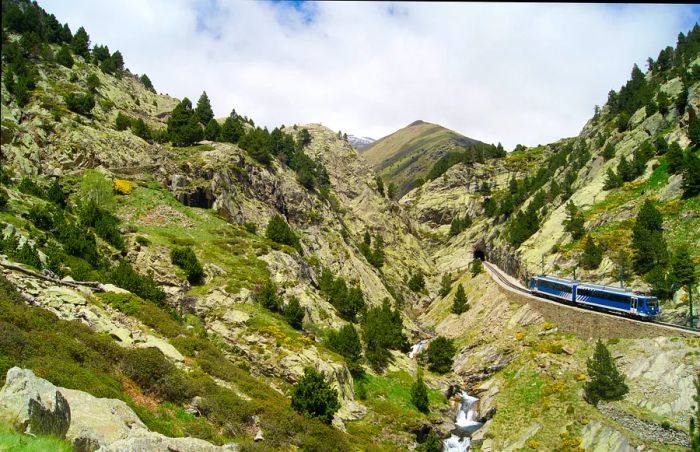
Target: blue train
606, 298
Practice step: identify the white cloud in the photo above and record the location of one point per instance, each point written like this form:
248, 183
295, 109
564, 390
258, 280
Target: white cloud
515, 73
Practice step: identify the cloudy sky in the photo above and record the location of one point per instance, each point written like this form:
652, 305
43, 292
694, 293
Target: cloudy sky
495, 72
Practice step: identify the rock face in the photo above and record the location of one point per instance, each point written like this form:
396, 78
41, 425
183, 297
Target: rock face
33, 405
36, 406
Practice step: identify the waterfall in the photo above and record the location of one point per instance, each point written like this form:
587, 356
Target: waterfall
465, 425
417, 348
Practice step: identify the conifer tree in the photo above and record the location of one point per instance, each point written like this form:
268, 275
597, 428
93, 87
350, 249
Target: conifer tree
693, 128
675, 158
613, 180
691, 176
609, 151
592, 255
441, 352
122, 122
294, 313
81, 43
380, 185
267, 297
648, 240
476, 267
459, 304
683, 268
212, 130
314, 396
445, 285
606, 381
279, 231
391, 193
203, 110
232, 130
147, 83
574, 221
347, 343
64, 58
419, 395
183, 125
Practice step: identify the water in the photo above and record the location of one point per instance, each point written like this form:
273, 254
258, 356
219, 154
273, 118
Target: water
465, 425
417, 348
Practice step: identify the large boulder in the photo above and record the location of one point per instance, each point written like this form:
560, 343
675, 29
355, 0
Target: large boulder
98, 422
155, 442
33, 405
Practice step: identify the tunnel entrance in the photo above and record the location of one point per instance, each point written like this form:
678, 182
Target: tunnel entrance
479, 254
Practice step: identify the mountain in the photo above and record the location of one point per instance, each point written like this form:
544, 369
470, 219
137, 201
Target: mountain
407, 155
360, 143
194, 277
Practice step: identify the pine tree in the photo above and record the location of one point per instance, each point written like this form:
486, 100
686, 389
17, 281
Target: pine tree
445, 285
683, 268
459, 304
212, 130
675, 159
391, 193
419, 395
80, 43
606, 381
314, 396
267, 297
592, 255
441, 352
232, 130
648, 240
476, 267
347, 343
203, 110
380, 185
147, 83
691, 176
417, 281
608, 152
613, 180
122, 122
64, 58
183, 125
294, 313
574, 221
304, 138
693, 128
279, 231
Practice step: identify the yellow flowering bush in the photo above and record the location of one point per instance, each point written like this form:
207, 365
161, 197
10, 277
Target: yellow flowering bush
124, 186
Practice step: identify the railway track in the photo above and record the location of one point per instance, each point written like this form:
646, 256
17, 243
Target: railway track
505, 282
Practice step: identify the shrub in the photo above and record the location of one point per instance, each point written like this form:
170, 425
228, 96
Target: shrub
151, 370
29, 187
187, 260
445, 285
250, 227
314, 397
122, 122
294, 313
80, 103
279, 231
440, 353
476, 267
93, 82
147, 312
607, 383
124, 276
267, 297
416, 282
419, 395
64, 57
26, 254
123, 187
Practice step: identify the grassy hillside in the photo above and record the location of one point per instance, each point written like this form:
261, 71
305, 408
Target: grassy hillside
408, 154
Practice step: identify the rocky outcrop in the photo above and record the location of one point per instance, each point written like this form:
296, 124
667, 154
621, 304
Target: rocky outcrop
33, 405
36, 406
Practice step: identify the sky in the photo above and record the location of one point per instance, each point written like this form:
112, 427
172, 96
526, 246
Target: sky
509, 73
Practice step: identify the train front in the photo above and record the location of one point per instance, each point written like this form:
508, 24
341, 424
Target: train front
650, 307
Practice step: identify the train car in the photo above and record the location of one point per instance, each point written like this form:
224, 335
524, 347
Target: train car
596, 296
553, 287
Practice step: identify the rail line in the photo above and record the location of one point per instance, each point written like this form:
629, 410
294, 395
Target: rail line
505, 282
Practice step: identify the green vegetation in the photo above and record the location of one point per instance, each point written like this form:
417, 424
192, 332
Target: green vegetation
592, 255
203, 111
294, 313
314, 397
606, 381
267, 297
382, 330
445, 285
279, 231
694, 422
476, 267
183, 125
459, 304
346, 342
417, 281
440, 353
187, 260
375, 256
15, 441
419, 395
460, 224
152, 315
574, 221
648, 240
349, 302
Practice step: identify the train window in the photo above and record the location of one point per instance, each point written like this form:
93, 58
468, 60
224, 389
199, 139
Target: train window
553, 285
652, 302
619, 298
